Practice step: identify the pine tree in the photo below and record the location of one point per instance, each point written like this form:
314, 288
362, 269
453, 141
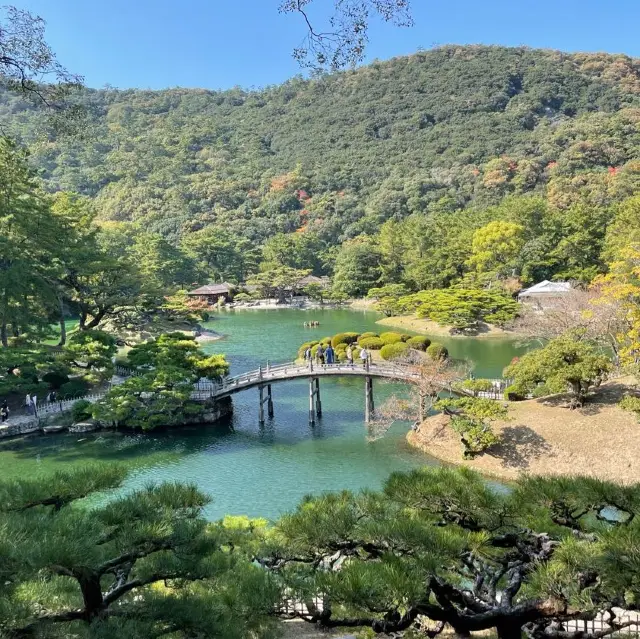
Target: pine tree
144, 564
442, 546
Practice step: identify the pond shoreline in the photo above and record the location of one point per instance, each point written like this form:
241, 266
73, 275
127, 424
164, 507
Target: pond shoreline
427, 327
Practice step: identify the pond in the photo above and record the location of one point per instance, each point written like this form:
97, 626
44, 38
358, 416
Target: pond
263, 471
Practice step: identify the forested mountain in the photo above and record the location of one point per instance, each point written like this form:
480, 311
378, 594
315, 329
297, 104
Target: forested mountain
335, 157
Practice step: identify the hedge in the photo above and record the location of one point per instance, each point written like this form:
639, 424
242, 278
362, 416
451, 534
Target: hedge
55, 379
72, 389
437, 351
372, 343
81, 410
393, 351
369, 334
391, 337
344, 338
418, 342
513, 394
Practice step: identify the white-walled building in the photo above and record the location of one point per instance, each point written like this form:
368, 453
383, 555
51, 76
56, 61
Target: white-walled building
544, 294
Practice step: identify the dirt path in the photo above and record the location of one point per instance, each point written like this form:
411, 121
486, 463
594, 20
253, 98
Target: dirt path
543, 437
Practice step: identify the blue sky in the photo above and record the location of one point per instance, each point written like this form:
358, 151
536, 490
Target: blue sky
222, 43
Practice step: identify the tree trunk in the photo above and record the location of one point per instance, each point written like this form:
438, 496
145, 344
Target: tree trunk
509, 630
63, 327
99, 316
91, 594
3, 335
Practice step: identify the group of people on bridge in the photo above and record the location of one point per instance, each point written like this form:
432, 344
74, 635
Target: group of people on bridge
327, 355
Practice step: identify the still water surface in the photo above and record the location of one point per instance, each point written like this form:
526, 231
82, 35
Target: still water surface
263, 471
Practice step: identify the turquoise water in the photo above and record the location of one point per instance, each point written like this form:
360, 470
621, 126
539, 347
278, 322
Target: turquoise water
263, 471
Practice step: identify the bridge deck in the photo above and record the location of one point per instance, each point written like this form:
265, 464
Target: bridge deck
293, 370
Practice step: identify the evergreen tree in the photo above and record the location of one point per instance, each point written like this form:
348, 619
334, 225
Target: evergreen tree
144, 564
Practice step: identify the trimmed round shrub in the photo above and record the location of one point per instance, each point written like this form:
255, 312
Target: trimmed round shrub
325, 341
81, 410
304, 347
344, 338
372, 343
513, 394
369, 334
55, 379
390, 337
73, 388
418, 343
393, 351
405, 337
437, 351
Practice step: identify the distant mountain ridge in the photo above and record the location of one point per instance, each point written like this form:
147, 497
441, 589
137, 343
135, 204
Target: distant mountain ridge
449, 128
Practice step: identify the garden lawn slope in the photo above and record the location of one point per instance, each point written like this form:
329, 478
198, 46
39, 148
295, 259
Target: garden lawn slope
427, 327
545, 438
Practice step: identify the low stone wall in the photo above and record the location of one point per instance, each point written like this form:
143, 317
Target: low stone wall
32, 425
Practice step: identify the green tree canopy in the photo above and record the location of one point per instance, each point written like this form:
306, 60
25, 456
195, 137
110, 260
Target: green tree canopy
564, 364
145, 564
443, 544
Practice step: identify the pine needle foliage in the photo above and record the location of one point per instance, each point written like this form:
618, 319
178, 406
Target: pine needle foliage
445, 546
145, 564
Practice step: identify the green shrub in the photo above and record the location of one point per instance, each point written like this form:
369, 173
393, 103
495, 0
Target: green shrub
390, 337
405, 337
476, 436
55, 379
437, 351
344, 338
514, 394
73, 388
81, 410
368, 334
393, 351
325, 341
630, 403
418, 343
372, 343
304, 347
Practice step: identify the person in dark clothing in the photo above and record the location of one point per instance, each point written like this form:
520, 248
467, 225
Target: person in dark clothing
320, 354
329, 354
4, 411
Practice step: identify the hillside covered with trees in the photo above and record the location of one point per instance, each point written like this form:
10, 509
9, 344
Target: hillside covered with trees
456, 166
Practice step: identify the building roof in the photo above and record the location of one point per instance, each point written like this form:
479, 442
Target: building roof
211, 289
313, 279
546, 287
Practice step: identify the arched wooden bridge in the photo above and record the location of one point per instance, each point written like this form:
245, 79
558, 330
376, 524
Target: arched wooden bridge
264, 376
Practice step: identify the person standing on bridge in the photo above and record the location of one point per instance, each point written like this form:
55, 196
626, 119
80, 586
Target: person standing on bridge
307, 354
320, 354
364, 357
330, 354
349, 354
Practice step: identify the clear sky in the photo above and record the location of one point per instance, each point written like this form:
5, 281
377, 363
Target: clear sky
222, 43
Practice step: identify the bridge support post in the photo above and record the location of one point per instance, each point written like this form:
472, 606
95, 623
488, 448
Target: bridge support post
261, 406
269, 402
318, 402
312, 412
369, 406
